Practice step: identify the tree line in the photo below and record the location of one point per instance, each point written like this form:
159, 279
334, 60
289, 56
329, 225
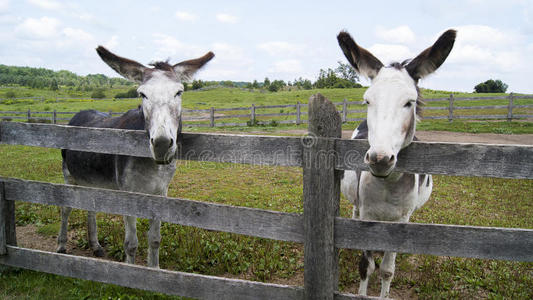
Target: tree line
42, 78
343, 76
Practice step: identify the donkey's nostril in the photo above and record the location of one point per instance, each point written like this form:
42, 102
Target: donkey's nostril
152, 141
171, 143
392, 158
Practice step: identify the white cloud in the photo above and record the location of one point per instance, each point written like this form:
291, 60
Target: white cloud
77, 34
4, 5
169, 46
290, 66
388, 53
402, 34
112, 43
46, 4
226, 18
185, 16
488, 48
43, 28
277, 48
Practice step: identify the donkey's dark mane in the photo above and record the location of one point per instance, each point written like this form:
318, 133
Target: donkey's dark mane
419, 100
162, 65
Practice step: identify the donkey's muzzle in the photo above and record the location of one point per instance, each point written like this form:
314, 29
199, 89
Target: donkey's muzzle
380, 164
162, 149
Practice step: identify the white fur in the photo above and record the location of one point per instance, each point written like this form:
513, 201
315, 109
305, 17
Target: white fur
160, 102
396, 196
391, 89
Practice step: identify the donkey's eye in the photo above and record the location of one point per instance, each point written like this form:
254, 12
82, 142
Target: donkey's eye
365, 102
178, 94
142, 95
408, 104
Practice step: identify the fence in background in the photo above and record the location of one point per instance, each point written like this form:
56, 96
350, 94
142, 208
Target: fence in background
297, 113
322, 156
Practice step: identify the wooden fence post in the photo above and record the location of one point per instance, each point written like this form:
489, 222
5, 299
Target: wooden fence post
29, 115
252, 114
3, 204
344, 110
212, 117
8, 217
321, 199
298, 113
510, 108
450, 109
54, 118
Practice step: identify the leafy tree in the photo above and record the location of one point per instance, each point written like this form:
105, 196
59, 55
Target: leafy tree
491, 86
98, 94
255, 84
197, 84
53, 85
131, 93
266, 83
345, 71
276, 85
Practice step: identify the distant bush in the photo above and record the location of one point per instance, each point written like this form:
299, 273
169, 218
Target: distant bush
98, 94
131, 93
39, 120
491, 86
10, 94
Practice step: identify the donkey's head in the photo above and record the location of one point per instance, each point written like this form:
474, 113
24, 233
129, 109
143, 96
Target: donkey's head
393, 98
160, 88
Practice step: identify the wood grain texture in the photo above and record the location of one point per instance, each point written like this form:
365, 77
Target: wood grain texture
321, 200
449, 240
151, 279
248, 149
240, 220
480, 160
139, 277
76, 138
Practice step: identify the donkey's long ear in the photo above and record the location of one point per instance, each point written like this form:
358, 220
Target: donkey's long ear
363, 61
186, 69
128, 68
430, 59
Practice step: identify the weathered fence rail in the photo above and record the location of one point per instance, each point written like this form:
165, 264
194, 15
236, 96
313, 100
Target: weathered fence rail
212, 117
322, 156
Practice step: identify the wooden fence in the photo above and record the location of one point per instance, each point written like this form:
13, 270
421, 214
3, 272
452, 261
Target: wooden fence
297, 113
322, 156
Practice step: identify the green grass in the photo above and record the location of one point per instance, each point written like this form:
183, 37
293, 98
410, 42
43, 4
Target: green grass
455, 200
234, 97
24, 284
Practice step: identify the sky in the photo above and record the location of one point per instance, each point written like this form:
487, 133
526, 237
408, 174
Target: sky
275, 39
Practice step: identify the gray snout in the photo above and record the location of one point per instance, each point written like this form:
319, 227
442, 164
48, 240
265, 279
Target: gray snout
162, 147
380, 164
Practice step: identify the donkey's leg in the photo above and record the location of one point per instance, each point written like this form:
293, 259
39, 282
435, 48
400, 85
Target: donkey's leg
130, 239
154, 240
367, 266
92, 231
386, 272
62, 236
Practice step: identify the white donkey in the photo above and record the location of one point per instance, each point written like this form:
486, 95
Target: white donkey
393, 102
160, 116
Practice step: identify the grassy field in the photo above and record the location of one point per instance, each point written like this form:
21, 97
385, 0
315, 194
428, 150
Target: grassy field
234, 97
455, 200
